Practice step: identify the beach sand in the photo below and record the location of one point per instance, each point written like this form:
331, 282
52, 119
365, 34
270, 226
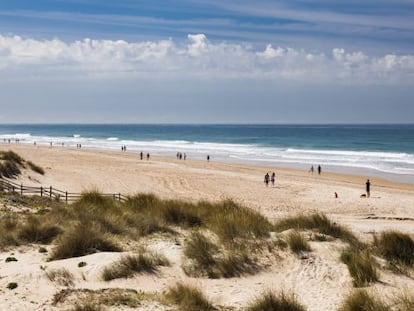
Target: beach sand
320, 282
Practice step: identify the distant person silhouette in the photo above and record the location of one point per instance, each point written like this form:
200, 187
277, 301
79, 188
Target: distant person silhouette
319, 169
273, 178
148, 156
141, 155
266, 179
368, 188
311, 169
208, 158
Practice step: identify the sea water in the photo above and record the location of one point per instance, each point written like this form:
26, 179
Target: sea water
384, 150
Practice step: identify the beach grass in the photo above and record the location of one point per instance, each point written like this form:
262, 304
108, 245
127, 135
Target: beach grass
61, 276
129, 265
35, 168
361, 300
361, 266
188, 298
396, 247
38, 230
297, 242
321, 223
269, 301
82, 239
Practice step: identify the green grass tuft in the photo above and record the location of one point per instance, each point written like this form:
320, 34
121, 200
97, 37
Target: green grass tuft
361, 266
129, 265
297, 242
82, 239
188, 298
395, 247
38, 230
361, 300
320, 222
272, 302
36, 168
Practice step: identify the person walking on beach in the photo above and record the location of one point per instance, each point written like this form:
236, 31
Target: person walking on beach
266, 179
311, 170
273, 178
141, 155
148, 156
208, 158
368, 188
319, 169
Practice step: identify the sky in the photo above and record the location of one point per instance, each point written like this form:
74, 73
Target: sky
206, 61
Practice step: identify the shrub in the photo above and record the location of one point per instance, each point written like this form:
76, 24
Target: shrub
188, 298
42, 250
361, 266
271, 302
87, 306
36, 168
297, 242
82, 264
10, 259
8, 224
12, 285
396, 247
82, 239
360, 300
9, 169
129, 265
234, 265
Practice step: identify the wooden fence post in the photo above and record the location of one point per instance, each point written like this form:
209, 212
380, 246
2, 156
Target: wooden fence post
41, 191
21, 189
13, 188
119, 197
66, 197
50, 193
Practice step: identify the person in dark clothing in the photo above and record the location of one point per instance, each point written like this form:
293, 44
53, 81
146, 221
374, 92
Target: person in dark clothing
319, 169
141, 155
273, 178
148, 156
266, 179
208, 158
368, 188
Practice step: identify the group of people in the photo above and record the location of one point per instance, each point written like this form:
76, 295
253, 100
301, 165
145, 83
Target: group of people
181, 156
123, 148
319, 169
141, 155
270, 178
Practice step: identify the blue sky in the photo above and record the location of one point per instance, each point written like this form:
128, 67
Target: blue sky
207, 61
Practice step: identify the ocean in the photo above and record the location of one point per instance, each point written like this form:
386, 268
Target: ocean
372, 150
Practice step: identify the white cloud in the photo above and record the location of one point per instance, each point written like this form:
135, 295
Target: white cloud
23, 58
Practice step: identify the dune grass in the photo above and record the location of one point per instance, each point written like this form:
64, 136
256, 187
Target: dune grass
396, 247
321, 223
361, 300
129, 265
297, 242
188, 298
361, 266
82, 239
35, 168
38, 229
11, 164
8, 237
61, 276
269, 301
216, 262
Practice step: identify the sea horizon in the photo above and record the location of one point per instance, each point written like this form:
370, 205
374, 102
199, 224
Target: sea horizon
382, 150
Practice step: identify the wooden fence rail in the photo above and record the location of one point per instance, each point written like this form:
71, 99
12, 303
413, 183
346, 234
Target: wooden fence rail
50, 192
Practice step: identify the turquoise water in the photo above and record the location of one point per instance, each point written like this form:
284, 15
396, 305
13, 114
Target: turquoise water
386, 150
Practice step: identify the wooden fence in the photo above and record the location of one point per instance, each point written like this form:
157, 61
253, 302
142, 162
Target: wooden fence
49, 192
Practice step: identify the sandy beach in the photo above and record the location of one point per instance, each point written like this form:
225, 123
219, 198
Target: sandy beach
321, 282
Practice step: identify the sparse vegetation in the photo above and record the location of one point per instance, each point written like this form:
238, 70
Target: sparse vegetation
129, 265
42, 250
12, 285
61, 276
361, 300
297, 242
396, 247
37, 229
10, 259
272, 302
322, 224
361, 266
188, 298
209, 260
82, 264
36, 168
82, 239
